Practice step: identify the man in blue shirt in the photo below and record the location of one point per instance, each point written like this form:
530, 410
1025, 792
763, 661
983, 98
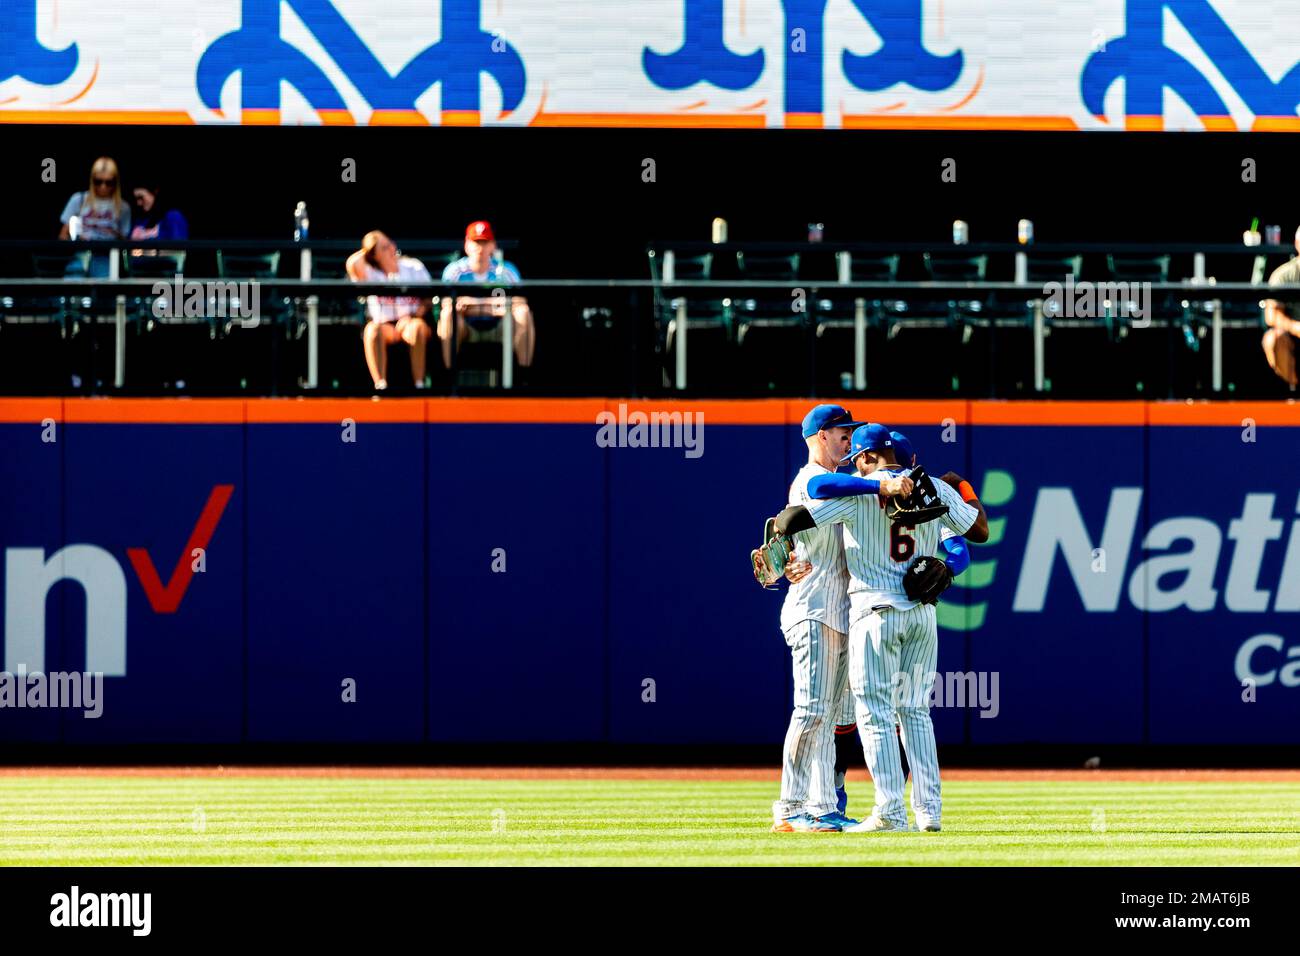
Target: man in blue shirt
480, 264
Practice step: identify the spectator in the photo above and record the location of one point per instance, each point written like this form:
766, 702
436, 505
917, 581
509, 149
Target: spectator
100, 214
1281, 318
391, 319
480, 264
154, 218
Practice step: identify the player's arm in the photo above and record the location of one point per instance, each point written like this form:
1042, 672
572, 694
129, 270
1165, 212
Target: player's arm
355, 266
794, 519
817, 513
927, 579
839, 485
966, 514
953, 551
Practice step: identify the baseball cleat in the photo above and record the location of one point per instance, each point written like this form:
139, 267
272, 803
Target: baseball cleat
803, 823
873, 824
843, 821
927, 826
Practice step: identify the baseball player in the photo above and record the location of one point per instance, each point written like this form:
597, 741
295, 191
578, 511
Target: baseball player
891, 632
814, 622
954, 554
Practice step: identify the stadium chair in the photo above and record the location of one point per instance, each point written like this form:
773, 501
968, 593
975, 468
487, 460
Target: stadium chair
836, 324
73, 315
346, 306
924, 338
1148, 352
260, 267
59, 308
955, 267
251, 353
997, 333
1042, 269
342, 316
1245, 371
774, 340
166, 352
264, 266
710, 321
1138, 268
998, 353
34, 346
945, 267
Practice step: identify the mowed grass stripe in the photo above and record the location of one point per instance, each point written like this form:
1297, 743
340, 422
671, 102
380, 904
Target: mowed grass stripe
109, 820
307, 790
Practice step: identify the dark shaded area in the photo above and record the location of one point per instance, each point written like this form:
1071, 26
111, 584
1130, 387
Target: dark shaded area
574, 204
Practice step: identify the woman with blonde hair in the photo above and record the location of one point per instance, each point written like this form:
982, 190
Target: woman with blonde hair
98, 213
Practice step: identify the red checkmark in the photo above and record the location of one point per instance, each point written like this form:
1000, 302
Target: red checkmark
165, 600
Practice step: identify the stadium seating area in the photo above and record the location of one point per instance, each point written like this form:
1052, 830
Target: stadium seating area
753, 319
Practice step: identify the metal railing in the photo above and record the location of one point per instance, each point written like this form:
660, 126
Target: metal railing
673, 296
308, 293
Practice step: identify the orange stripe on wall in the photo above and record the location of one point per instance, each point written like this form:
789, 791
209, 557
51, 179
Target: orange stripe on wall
146, 411
584, 411
334, 410
1058, 413
30, 410
488, 410
897, 412
1233, 414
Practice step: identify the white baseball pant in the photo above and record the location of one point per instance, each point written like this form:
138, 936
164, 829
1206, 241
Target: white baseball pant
819, 655
883, 645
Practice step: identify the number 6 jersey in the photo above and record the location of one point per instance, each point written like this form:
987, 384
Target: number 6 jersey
878, 552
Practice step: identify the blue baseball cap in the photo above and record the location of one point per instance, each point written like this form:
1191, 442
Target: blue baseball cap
827, 416
870, 437
902, 449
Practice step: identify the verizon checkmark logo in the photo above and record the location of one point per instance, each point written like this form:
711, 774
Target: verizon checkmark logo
165, 599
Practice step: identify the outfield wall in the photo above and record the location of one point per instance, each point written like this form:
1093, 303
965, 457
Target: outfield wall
487, 570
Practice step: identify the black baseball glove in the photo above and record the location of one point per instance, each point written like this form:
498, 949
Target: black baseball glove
926, 579
921, 505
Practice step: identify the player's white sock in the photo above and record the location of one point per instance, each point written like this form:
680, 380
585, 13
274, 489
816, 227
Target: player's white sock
381, 384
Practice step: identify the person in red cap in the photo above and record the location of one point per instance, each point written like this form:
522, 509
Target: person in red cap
480, 264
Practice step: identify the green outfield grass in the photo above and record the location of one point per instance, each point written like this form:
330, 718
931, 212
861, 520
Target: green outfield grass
276, 820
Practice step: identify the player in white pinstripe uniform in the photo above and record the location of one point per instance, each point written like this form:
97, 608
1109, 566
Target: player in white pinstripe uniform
890, 635
952, 552
814, 621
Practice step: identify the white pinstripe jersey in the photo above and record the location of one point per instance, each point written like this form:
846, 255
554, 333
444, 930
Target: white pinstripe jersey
878, 553
824, 594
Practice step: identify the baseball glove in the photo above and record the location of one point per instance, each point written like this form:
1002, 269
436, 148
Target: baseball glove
921, 505
926, 579
769, 559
